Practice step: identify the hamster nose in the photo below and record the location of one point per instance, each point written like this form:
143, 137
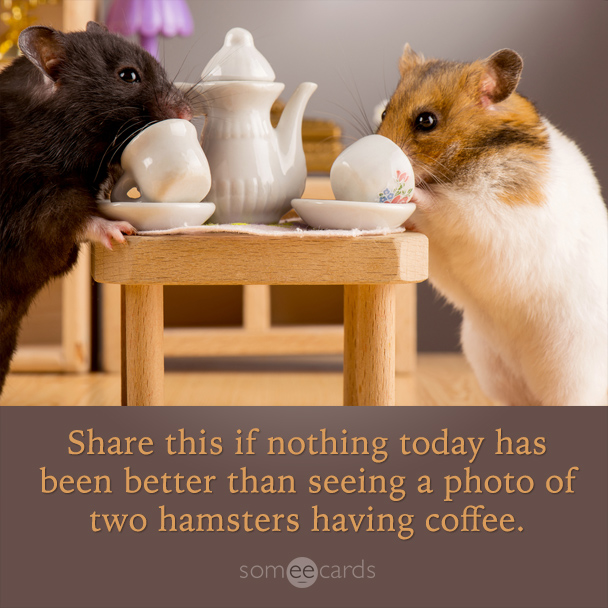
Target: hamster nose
173, 105
181, 110
184, 113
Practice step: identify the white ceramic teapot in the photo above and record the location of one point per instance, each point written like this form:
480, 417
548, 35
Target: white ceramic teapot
256, 170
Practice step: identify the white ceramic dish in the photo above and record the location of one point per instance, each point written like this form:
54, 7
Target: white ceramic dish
158, 216
351, 215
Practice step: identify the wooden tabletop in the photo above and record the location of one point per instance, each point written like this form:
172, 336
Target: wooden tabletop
240, 259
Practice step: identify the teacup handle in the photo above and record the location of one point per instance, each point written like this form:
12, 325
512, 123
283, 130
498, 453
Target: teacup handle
122, 187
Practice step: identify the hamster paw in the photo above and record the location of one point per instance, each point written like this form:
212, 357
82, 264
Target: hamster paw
100, 230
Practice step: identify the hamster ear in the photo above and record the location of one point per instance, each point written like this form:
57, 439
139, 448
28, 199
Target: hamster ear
409, 59
44, 47
501, 72
96, 28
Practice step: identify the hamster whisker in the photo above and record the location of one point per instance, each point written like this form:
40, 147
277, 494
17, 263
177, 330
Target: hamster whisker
122, 130
437, 175
116, 109
184, 61
131, 136
351, 119
162, 46
365, 122
387, 95
350, 138
208, 99
128, 139
193, 86
101, 117
226, 57
156, 98
204, 77
436, 161
356, 121
101, 162
432, 174
202, 105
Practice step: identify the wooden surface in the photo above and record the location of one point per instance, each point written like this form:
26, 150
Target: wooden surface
237, 341
256, 336
76, 14
439, 379
76, 312
228, 259
256, 308
367, 266
369, 345
318, 187
406, 334
110, 327
142, 345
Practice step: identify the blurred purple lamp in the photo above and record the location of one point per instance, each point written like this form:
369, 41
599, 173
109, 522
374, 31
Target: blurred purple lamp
150, 19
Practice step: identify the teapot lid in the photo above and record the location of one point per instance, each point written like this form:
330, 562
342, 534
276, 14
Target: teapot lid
238, 59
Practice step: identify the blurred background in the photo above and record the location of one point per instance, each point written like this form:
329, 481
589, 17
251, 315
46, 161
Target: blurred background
351, 48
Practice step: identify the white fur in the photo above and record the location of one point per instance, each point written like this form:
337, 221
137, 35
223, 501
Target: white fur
532, 282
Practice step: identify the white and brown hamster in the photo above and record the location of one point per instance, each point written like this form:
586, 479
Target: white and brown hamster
517, 228
68, 107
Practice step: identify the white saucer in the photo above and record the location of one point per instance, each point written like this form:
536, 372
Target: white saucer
158, 216
350, 215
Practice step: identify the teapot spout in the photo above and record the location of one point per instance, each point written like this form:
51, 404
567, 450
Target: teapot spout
289, 129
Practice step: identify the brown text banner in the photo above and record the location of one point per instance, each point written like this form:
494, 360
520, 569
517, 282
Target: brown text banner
180, 507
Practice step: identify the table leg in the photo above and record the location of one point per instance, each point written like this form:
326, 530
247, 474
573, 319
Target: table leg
369, 345
142, 377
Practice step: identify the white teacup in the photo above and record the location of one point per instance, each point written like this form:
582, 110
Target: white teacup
166, 164
373, 170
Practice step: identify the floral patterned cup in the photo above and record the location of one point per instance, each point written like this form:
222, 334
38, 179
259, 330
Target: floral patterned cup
374, 170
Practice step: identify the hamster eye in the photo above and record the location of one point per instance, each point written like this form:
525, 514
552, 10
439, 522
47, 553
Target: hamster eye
384, 115
129, 75
425, 121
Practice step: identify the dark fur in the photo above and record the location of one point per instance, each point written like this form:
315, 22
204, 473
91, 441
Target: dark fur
59, 135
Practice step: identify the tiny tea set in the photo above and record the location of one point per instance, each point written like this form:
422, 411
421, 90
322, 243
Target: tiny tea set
246, 171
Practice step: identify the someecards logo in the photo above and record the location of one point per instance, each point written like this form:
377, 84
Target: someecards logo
303, 572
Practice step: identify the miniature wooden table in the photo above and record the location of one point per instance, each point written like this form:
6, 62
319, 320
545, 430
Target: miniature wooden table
367, 266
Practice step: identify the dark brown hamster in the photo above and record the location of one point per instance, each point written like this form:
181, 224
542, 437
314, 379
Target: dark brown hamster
516, 224
67, 109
